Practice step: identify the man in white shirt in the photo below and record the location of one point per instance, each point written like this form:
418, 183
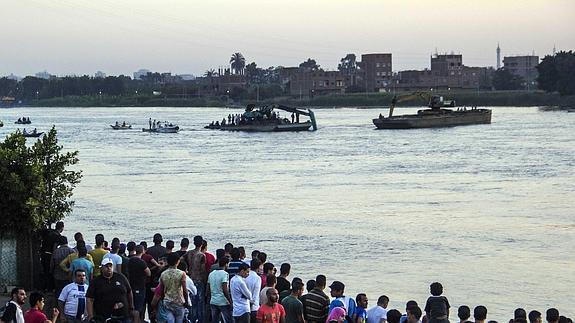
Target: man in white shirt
241, 295
378, 313
13, 312
254, 283
72, 299
116, 259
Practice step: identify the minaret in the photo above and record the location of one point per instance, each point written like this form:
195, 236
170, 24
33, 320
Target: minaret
554, 50
498, 56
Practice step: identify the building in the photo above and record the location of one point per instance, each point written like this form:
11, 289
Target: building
525, 67
141, 72
446, 65
100, 75
44, 75
305, 83
376, 71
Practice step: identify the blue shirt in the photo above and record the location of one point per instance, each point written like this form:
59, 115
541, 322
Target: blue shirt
82, 263
345, 302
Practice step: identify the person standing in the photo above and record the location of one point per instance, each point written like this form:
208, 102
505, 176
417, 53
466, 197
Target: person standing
283, 284
138, 272
157, 249
254, 283
175, 290
35, 314
196, 262
292, 305
241, 295
437, 306
109, 295
316, 302
50, 239
72, 299
378, 313
271, 311
13, 312
348, 303
61, 278
219, 292
98, 253
115, 257
360, 315
83, 263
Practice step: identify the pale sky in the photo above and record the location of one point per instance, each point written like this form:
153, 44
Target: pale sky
78, 37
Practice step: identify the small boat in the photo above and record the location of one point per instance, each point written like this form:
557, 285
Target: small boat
1, 123
167, 129
32, 134
23, 121
570, 110
121, 127
435, 116
265, 119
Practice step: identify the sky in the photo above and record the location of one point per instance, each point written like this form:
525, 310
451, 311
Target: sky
77, 37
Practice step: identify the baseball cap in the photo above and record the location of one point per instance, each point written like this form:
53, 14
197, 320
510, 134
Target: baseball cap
106, 261
337, 285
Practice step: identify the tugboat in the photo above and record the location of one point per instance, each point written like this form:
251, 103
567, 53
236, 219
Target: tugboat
159, 127
435, 116
265, 119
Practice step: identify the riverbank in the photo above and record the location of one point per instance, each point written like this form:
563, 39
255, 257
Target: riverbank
463, 98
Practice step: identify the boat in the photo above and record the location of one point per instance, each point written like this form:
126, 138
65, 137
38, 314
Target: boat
25, 121
435, 116
570, 110
265, 119
32, 134
166, 129
121, 127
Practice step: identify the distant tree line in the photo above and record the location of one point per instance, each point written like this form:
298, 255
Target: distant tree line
557, 73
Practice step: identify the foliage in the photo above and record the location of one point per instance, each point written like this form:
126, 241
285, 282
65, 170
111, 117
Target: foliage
505, 80
210, 73
348, 64
557, 73
238, 62
309, 65
36, 183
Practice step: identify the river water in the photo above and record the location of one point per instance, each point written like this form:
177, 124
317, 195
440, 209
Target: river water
488, 210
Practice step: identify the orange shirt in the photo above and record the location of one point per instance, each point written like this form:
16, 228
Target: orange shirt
268, 314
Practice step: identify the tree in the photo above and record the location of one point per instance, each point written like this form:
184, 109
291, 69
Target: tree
505, 80
238, 62
348, 64
557, 73
309, 65
36, 183
253, 73
210, 73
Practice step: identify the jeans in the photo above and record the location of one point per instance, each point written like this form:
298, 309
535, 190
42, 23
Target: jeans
224, 312
199, 303
139, 301
174, 312
244, 318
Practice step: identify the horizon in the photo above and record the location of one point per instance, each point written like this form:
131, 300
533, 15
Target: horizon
82, 37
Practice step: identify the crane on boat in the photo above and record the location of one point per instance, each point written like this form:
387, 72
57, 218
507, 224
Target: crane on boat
434, 102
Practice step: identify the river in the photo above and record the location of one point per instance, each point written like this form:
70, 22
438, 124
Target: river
487, 210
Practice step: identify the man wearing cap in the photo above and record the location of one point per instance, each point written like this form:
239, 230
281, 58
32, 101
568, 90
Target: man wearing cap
110, 295
348, 303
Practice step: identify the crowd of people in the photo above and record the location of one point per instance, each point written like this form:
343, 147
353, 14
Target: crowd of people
120, 282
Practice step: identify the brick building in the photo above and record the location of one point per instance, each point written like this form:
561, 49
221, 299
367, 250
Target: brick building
523, 66
376, 72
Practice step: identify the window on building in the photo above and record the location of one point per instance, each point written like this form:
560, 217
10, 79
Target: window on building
376, 64
339, 83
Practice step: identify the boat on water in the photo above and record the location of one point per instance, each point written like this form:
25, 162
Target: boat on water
33, 134
23, 121
166, 129
435, 116
121, 126
265, 119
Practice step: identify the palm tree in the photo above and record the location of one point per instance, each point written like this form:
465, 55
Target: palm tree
238, 62
210, 73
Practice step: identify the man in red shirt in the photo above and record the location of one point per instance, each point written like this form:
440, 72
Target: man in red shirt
271, 311
34, 314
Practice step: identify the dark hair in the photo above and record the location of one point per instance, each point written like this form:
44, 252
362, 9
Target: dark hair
99, 239
144, 244
235, 254
563, 319
383, 300
519, 313
204, 244
35, 297
242, 251
157, 238
480, 312
255, 264
115, 240
309, 285
285, 268
415, 311
139, 249
410, 303
185, 242
222, 261
220, 253
263, 257
78, 236
198, 240
436, 289
59, 225
534, 315
320, 280
271, 280
393, 316
359, 296
170, 244
463, 312
552, 315
15, 291
296, 286
62, 240
131, 246
228, 247
173, 259
82, 251
255, 253
79, 270
243, 266
115, 247
267, 266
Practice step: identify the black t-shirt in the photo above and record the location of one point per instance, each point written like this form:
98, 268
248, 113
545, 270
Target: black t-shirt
50, 239
282, 284
156, 251
108, 291
136, 273
437, 306
10, 313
